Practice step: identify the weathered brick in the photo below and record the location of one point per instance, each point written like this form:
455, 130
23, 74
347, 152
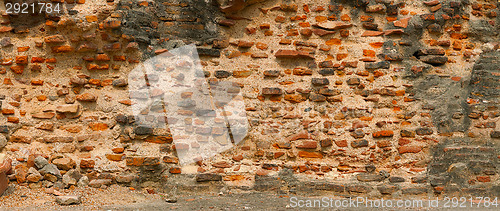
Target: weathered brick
62, 49
294, 98
142, 161
87, 97
383, 133
96, 126
359, 143
271, 91
409, 149
54, 39
293, 54
304, 154
207, 177
320, 81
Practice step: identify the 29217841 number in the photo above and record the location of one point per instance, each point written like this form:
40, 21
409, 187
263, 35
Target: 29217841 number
33, 8
463, 202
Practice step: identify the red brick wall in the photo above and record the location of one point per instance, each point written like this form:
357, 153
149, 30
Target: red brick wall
374, 97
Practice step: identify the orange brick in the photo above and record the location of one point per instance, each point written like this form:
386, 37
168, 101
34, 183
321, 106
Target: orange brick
376, 44
345, 17
369, 53
37, 60
36, 82
91, 18
23, 49
334, 41
21, 59
96, 82
341, 56
96, 126
62, 49
17, 69
12, 119
304, 154
304, 24
41, 97
321, 18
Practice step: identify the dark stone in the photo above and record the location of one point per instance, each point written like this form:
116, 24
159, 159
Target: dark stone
370, 26
421, 179
434, 60
222, 74
122, 119
326, 64
209, 52
317, 98
396, 179
208, 177
272, 73
329, 92
392, 10
378, 65
359, 143
320, 81
431, 51
364, 177
143, 130
72, 12
120, 82
327, 71
435, 28
424, 131
271, 91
